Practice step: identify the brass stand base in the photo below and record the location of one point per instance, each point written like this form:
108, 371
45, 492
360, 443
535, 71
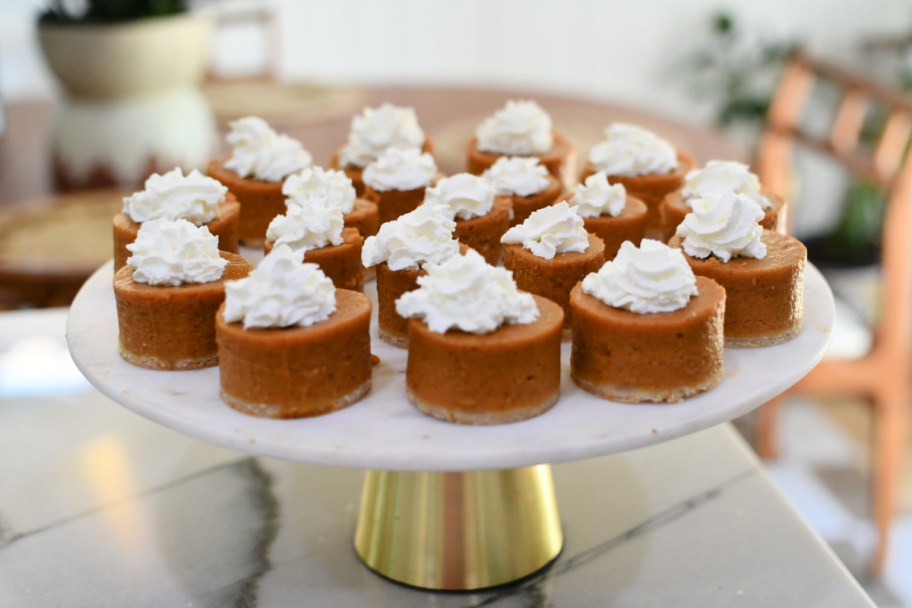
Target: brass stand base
458, 531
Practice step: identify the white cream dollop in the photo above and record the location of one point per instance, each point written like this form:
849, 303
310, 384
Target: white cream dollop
419, 237
550, 230
723, 224
400, 169
175, 252
598, 197
467, 294
260, 152
515, 175
632, 150
282, 291
463, 196
329, 187
518, 128
307, 226
174, 196
724, 174
651, 278
376, 129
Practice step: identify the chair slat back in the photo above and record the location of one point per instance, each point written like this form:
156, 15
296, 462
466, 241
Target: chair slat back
885, 164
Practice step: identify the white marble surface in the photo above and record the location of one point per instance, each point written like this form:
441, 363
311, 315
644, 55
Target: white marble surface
385, 431
102, 508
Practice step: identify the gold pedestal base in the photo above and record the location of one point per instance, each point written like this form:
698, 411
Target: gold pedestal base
458, 531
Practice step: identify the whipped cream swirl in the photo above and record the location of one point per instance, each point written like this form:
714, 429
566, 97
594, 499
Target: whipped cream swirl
280, 292
518, 128
514, 175
175, 252
376, 129
597, 197
632, 150
419, 237
723, 224
463, 196
650, 279
174, 196
261, 153
331, 188
307, 226
467, 294
549, 231
724, 175
400, 169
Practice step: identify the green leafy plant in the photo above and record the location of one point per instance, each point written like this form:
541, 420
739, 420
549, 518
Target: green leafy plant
856, 238
737, 71
109, 11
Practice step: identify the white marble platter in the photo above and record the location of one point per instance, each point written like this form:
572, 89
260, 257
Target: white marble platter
384, 431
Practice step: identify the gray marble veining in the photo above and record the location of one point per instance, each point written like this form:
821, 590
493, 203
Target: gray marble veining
101, 508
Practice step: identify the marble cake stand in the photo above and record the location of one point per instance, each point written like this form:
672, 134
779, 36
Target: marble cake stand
444, 506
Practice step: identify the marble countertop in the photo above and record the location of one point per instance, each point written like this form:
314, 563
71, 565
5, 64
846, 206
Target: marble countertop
100, 507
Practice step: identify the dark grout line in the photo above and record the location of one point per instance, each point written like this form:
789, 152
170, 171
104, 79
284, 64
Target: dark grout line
655, 522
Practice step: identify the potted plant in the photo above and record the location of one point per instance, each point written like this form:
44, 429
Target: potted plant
130, 71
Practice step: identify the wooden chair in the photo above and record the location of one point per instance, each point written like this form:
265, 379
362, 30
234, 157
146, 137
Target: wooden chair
882, 375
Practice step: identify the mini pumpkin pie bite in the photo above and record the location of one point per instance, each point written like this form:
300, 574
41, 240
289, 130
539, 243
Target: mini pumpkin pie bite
608, 212
721, 175
648, 166
168, 293
290, 344
397, 180
522, 128
481, 217
194, 197
372, 132
331, 188
551, 252
645, 329
762, 271
316, 234
260, 160
399, 253
525, 182
480, 351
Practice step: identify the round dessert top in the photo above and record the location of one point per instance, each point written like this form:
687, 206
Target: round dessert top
467, 294
782, 252
706, 299
175, 196
237, 267
517, 176
518, 128
550, 230
632, 150
400, 169
462, 196
307, 225
174, 252
419, 237
352, 309
723, 224
328, 187
651, 278
598, 197
376, 129
724, 175
261, 153
282, 291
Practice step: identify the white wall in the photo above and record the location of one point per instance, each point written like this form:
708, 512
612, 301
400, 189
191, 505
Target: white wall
630, 51
627, 51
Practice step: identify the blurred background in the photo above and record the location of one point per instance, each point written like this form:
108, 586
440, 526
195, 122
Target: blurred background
701, 71
635, 52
